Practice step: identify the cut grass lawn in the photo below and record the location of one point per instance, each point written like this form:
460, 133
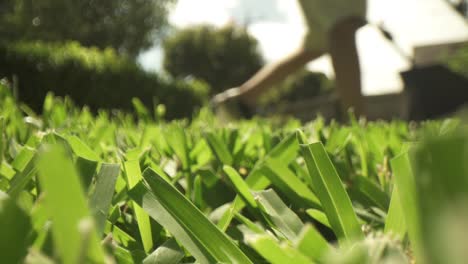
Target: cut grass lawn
111, 188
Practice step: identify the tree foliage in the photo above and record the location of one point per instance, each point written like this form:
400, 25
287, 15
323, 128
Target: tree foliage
128, 26
224, 57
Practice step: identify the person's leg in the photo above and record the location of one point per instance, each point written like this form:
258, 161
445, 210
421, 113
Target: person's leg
343, 51
249, 92
274, 73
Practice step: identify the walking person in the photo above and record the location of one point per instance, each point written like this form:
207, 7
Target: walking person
332, 27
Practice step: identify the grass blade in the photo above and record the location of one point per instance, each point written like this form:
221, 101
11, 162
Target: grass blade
142, 195
331, 193
122, 237
395, 223
241, 187
133, 175
14, 227
312, 244
256, 182
285, 151
219, 149
198, 193
441, 179
81, 149
285, 180
274, 252
124, 256
66, 205
87, 161
167, 253
2, 139
319, 216
404, 181
101, 198
252, 227
23, 158
283, 218
188, 225
6, 171
22, 178
372, 192
177, 140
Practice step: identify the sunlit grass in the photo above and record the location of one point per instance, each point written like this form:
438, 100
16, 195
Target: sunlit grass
110, 188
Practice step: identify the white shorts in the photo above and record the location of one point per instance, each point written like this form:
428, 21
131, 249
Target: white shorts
321, 15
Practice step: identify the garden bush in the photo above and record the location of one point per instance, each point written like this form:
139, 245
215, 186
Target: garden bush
93, 77
223, 57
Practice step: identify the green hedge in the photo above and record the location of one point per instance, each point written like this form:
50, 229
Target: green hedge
93, 77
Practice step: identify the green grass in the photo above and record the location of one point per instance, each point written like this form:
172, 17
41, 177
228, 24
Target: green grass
78, 187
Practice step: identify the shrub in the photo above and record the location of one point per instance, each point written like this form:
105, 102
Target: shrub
302, 85
458, 62
93, 77
224, 57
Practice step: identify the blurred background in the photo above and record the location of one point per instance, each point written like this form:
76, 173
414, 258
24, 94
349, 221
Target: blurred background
173, 55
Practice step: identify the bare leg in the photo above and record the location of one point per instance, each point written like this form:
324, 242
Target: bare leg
273, 73
343, 51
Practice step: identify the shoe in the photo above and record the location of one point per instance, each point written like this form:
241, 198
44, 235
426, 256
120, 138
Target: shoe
230, 106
